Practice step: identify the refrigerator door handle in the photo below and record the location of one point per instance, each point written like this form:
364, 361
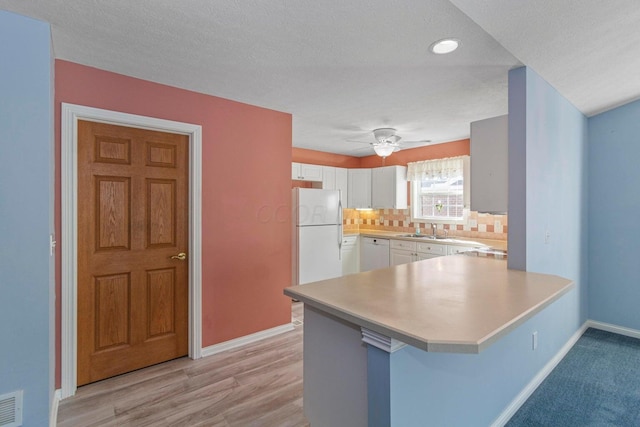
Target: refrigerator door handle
341, 234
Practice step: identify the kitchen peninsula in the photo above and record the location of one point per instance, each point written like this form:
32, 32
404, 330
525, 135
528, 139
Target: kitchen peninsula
443, 319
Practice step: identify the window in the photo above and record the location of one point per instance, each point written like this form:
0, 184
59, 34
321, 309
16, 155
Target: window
439, 189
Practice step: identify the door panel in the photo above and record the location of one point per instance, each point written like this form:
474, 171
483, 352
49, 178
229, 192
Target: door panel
113, 203
132, 217
160, 300
161, 208
112, 295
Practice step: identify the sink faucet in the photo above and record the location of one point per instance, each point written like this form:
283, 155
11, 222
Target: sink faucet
433, 227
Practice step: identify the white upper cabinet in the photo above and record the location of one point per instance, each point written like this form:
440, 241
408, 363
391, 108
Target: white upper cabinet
336, 179
389, 187
377, 188
328, 178
342, 184
306, 172
359, 193
490, 165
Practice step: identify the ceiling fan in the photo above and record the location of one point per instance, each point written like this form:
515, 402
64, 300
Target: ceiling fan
387, 141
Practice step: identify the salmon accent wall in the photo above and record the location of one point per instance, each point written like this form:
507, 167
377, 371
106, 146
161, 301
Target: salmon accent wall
400, 158
429, 152
246, 197
302, 155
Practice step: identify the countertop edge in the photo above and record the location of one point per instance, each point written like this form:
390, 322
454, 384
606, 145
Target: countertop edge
429, 345
505, 329
356, 320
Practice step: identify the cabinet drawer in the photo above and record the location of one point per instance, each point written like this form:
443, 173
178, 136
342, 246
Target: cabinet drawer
432, 248
453, 250
349, 240
403, 244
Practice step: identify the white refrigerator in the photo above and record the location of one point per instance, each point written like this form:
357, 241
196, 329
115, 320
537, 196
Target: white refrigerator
317, 235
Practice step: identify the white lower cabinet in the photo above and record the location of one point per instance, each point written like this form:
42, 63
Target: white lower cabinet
406, 251
350, 255
402, 252
454, 250
428, 250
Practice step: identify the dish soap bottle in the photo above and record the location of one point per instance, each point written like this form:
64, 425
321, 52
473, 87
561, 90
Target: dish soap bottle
417, 231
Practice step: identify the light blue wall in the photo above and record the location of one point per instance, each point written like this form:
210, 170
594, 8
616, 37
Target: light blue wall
614, 204
26, 153
548, 160
550, 137
517, 237
548, 181
443, 389
556, 196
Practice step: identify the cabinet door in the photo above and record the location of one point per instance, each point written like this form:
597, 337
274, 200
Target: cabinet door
400, 256
311, 172
432, 249
306, 172
328, 178
350, 255
359, 188
382, 193
342, 184
389, 187
295, 171
454, 249
490, 164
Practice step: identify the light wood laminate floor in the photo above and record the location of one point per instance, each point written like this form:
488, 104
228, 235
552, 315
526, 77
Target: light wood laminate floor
259, 384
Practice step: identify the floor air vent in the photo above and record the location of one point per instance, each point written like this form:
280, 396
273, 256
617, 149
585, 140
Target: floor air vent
11, 409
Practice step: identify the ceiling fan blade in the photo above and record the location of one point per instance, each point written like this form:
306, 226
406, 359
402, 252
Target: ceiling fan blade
422, 141
360, 142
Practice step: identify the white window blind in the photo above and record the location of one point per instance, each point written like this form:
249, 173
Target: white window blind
441, 169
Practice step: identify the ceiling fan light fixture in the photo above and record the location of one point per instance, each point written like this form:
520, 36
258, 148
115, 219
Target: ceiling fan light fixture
384, 150
384, 135
444, 46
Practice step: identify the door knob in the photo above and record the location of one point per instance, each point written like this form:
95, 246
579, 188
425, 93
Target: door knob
181, 256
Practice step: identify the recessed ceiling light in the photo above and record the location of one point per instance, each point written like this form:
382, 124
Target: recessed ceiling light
444, 46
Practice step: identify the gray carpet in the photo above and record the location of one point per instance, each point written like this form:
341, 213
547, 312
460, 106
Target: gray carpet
596, 384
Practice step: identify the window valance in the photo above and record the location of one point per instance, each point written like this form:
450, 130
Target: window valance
449, 167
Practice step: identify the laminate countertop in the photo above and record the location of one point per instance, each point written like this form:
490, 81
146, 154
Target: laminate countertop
453, 240
455, 304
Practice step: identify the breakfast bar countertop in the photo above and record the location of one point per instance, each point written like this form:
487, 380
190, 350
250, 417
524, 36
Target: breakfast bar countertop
455, 304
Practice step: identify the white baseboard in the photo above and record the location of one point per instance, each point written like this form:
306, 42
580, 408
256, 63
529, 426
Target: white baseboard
621, 330
53, 414
526, 392
247, 339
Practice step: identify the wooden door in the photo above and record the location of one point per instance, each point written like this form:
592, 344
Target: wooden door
132, 218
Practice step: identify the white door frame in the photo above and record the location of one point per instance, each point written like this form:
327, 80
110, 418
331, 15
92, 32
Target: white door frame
69, 173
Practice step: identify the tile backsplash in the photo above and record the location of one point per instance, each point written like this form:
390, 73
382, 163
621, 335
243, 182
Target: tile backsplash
478, 225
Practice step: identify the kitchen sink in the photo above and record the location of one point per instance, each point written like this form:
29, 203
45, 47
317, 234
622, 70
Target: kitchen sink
425, 236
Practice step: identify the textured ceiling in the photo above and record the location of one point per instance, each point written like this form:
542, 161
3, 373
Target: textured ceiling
589, 50
343, 68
